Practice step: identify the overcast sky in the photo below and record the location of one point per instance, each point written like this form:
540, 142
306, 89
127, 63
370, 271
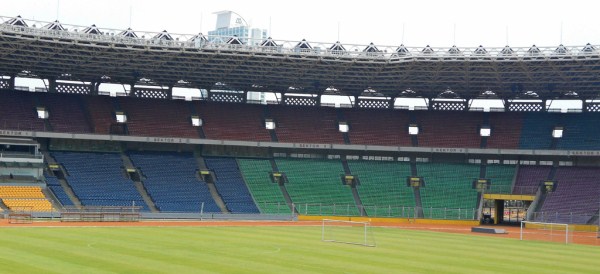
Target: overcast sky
435, 23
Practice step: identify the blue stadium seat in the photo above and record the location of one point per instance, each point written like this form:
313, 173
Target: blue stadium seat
231, 185
54, 186
170, 179
97, 179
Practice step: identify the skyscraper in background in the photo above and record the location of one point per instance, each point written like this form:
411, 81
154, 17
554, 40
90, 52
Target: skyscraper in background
231, 24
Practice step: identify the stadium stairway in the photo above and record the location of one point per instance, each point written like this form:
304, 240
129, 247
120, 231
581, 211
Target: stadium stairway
139, 186
61, 179
194, 112
342, 118
272, 133
52, 198
86, 112
284, 191
37, 103
3, 206
210, 183
359, 205
416, 191
540, 196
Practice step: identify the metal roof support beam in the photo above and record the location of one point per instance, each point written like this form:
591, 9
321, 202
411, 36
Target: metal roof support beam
544, 106
170, 92
95, 87
131, 90
51, 85
11, 82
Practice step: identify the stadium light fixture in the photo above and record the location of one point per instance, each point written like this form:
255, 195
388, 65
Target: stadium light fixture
270, 124
121, 117
343, 127
557, 132
485, 131
413, 129
42, 113
196, 121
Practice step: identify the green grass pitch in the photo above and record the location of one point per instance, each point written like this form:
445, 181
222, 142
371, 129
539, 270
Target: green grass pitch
277, 250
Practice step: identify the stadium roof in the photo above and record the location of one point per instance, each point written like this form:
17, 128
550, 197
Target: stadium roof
91, 54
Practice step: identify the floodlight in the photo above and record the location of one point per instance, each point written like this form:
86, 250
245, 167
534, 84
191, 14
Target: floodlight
557, 132
485, 131
413, 129
343, 127
196, 121
121, 117
42, 113
270, 124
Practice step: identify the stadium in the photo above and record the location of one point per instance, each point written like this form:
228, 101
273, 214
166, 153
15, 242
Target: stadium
268, 169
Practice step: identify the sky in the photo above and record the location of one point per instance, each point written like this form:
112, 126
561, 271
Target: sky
385, 23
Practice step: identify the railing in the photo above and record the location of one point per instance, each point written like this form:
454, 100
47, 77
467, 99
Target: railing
146, 39
565, 217
101, 214
17, 155
387, 211
505, 189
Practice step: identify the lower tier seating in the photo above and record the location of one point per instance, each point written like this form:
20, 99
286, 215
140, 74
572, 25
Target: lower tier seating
448, 192
316, 188
98, 179
575, 199
383, 189
267, 195
54, 186
231, 185
501, 177
529, 179
25, 198
170, 180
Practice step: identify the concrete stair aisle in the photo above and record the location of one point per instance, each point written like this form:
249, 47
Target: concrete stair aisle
137, 182
61, 179
211, 184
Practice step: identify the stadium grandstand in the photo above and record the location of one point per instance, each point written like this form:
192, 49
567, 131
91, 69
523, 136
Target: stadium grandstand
220, 152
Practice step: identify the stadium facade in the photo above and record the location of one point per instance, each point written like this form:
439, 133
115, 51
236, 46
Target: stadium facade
74, 145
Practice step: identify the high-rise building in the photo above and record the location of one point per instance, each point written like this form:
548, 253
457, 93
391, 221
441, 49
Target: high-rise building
230, 24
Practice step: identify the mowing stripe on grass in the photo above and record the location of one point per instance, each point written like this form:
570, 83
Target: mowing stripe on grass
277, 250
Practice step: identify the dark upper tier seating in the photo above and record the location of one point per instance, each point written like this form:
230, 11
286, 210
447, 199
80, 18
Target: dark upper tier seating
449, 129
306, 125
18, 112
581, 131
506, 130
71, 113
100, 109
233, 121
154, 117
378, 127
66, 112
537, 129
